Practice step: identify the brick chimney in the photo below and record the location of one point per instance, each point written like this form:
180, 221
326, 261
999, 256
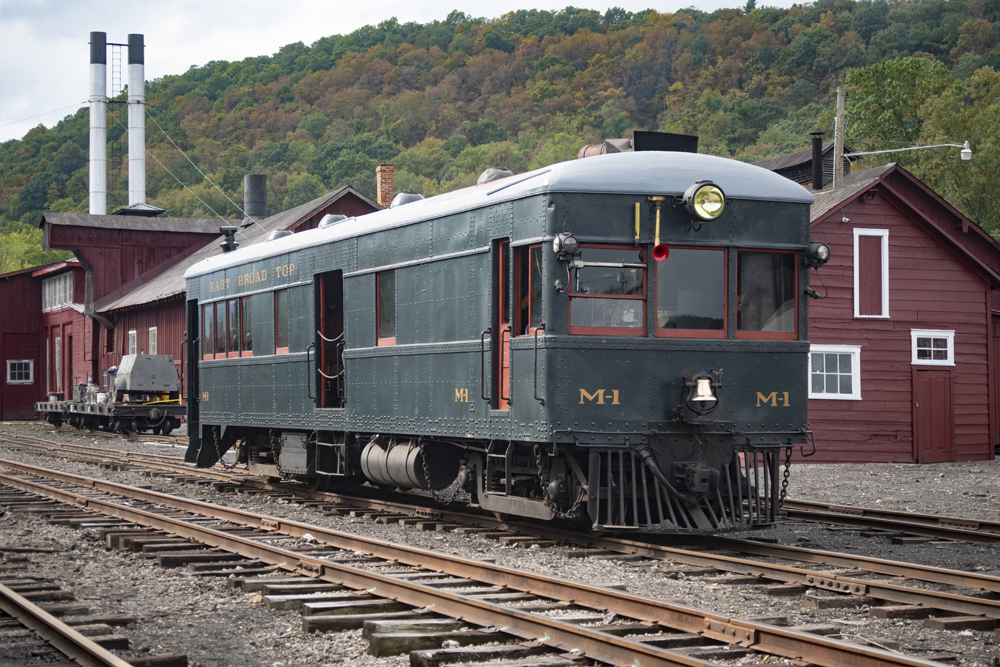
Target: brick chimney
383, 183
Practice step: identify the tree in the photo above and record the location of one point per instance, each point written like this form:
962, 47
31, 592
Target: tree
885, 99
967, 110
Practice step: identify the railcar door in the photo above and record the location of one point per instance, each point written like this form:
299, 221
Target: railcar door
331, 343
933, 416
501, 308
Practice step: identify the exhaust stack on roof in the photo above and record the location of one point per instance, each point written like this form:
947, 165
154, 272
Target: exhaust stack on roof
255, 196
98, 123
136, 121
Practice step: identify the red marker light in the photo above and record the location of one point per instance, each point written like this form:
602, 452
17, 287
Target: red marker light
661, 252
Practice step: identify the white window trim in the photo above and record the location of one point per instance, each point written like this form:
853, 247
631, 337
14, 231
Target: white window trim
855, 352
31, 371
154, 341
932, 333
57, 292
133, 342
884, 233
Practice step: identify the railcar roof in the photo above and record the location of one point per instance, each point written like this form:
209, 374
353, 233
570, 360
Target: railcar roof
633, 173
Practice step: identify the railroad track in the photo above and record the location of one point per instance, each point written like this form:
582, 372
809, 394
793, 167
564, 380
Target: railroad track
924, 525
37, 634
782, 570
349, 581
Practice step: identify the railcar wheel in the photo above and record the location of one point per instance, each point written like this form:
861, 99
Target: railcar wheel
157, 430
168, 427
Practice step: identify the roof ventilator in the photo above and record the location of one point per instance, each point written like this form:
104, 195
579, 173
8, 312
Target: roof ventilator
278, 234
405, 198
229, 243
331, 219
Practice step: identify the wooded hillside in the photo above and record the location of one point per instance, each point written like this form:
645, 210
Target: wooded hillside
444, 100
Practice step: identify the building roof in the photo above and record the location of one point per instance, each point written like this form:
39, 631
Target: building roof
138, 223
633, 173
968, 239
854, 184
795, 158
55, 268
142, 210
36, 270
167, 280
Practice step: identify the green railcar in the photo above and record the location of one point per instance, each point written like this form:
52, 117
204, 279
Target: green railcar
620, 340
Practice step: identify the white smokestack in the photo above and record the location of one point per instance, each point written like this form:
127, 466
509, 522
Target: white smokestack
136, 122
98, 123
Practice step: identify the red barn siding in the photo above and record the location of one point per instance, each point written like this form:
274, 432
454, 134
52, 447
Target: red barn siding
930, 287
20, 322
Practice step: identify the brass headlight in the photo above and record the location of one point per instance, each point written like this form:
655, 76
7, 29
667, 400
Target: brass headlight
704, 201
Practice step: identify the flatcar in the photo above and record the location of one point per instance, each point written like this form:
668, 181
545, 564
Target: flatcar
143, 395
618, 340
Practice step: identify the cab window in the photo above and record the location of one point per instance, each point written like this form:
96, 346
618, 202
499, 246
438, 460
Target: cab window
528, 288
691, 290
766, 295
607, 295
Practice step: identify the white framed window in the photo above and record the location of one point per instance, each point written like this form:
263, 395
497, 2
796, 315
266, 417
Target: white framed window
133, 340
152, 340
48, 365
835, 372
57, 291
871, 273
932, 347
20, 371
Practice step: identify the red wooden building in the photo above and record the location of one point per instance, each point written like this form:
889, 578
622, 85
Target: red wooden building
904, 355
148, 311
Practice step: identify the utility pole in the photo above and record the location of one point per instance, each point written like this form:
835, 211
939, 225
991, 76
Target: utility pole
839, 127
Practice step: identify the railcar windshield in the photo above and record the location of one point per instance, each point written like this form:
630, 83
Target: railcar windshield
766, 294
608, 293
691, 293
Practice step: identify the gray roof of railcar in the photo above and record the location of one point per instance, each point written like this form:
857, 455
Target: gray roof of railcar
642, 173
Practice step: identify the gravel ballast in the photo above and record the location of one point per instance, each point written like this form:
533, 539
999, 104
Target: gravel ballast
213, 625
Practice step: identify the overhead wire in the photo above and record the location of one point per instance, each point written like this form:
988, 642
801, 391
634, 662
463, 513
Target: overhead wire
78, 104
203, 174
193, 193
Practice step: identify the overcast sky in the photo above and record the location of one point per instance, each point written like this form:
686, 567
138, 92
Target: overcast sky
44, 52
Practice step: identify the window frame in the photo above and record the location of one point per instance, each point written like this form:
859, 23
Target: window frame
246, 325
948, 334
884, 234
379, 339
133, 341
855, 352
576, 330
768, 335
286, 348
31, 371
695, 333
207, 332
153, 337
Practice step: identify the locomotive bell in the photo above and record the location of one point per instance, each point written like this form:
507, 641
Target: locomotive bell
703, 391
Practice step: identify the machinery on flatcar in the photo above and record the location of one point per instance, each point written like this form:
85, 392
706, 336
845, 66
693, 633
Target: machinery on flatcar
144, 394
620, 340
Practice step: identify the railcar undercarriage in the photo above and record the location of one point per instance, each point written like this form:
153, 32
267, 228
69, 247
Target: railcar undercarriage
694, 485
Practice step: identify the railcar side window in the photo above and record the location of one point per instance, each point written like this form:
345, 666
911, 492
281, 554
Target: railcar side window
766, 295
246, 322
527, 289
220, 330
386, 307
234, 327
208, 332
691, 291
609, 297
281, 322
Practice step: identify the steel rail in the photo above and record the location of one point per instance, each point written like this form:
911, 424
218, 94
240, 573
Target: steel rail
935, 520
926, 573
950, 528
599, 646
60, 636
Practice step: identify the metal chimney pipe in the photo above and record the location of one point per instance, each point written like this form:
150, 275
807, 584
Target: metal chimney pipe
817, 159
255, 196
136, 121
98, 123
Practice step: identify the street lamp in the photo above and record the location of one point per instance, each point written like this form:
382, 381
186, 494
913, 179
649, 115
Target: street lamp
966, 153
